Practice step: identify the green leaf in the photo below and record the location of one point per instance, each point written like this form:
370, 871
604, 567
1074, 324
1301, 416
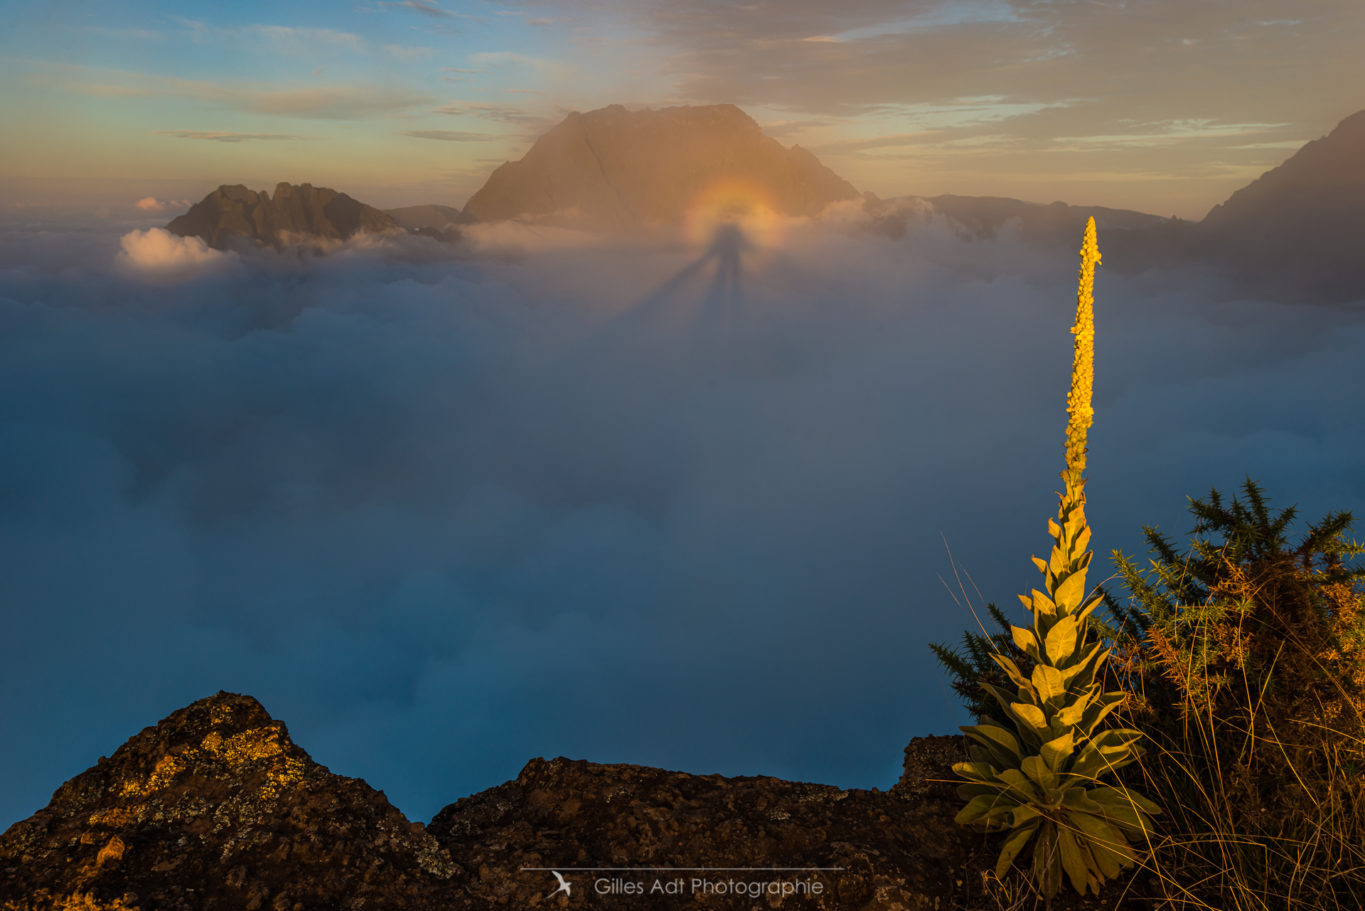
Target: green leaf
1036, 769
1076, 860
976, 771
999, 742
1047, 681
1039, 603
1056, 752
1026, 641
1030, 715
1014, 843
1108, 845
1070, 591
1114, 798
1011, 669
982, 808
1024, 788
1061, 639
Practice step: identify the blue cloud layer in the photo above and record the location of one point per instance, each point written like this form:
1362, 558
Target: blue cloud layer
443, 515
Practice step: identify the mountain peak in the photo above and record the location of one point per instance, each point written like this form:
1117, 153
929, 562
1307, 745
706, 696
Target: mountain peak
235, 215
1294, 232
1313, 177
217, 805
615, 168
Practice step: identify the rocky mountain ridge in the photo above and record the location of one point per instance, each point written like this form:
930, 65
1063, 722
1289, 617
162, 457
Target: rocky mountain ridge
235, 216
216, 808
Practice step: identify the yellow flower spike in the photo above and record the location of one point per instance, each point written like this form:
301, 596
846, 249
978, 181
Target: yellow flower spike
1078, 400
1061, 688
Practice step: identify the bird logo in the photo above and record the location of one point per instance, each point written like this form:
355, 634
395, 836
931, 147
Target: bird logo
563, 886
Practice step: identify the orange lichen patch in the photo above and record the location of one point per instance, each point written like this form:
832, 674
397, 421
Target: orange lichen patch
738, 202
111, 852
237, 751
162, 775
115, 817
76, 901
248, 746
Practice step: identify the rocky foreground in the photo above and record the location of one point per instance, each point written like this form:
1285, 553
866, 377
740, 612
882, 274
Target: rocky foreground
216, 808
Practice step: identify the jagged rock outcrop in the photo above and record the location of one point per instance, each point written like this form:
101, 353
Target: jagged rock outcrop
889, 852
231, 216
215, 808
619, 169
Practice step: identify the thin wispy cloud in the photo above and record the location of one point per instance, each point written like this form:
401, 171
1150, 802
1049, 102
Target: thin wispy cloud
329, 102
499, 113
407, 52
284, 39
451, 135
229, 136
427, 8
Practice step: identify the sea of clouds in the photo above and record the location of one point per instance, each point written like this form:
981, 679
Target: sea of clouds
446, 508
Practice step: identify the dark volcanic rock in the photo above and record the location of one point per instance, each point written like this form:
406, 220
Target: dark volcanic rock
233, 215
617, 169
893, 853
216, 808
895, 850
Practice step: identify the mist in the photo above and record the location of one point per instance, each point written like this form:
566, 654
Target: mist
445, 509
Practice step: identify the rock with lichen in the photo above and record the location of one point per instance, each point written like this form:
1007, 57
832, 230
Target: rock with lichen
215, 807
872, 849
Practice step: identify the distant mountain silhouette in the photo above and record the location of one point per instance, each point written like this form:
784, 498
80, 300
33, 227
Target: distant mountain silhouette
1296, 233
1299, 227
416, 218
618, 169
231, 216
984, 217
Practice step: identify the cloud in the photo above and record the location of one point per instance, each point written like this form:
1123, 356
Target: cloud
229, 136
332, 102
424, 7
550, 69
151, 204
281, 39
407, 52
649, 503
451, 135
157, 251
500, 113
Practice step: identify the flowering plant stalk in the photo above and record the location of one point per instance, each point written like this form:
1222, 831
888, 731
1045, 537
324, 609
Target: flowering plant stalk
1040, 783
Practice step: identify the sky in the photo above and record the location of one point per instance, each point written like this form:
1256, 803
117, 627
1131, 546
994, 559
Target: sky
1164, 106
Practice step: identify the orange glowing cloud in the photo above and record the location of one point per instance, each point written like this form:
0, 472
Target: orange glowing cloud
734, 201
